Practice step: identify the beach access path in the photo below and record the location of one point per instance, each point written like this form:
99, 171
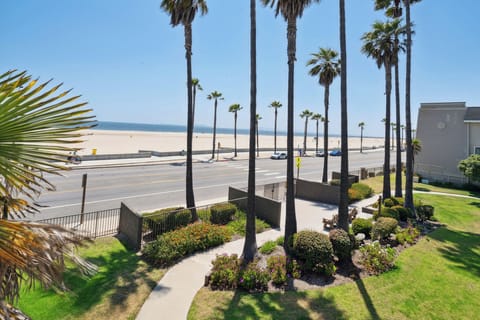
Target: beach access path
174, 293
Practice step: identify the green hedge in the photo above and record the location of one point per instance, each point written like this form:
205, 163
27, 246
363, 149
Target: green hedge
359, 191
314, 249
222, 213
360, 225
172, 246
384, 227
168, 219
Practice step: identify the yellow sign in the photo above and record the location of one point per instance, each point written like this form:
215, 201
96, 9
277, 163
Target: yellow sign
298, 161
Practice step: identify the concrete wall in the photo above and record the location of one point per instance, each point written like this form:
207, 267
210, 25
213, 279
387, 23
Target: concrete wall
442, 133
144, 154
131, 226
351, 178
268, 210
317, 191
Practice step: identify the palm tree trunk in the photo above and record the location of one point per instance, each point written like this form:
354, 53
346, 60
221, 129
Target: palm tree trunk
408, 121
344, 185
386, 165
275, 133
193, 103
214, 128
290, 216
398, 170
305, 136
189, 179
316, 141
361, 139
325, 135
235, 134
258, 145
250, 245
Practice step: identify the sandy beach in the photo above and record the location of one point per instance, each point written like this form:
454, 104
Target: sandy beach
110, 141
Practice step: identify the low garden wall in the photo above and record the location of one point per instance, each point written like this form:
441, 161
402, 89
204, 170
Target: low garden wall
130, 226
317, 191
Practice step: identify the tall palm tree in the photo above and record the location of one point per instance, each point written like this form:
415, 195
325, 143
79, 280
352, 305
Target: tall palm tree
182, 12
196, 86
416, 148
257, 118
392, 125
215, 96
39, 128
250, 244
275, 105
235, 108
362, 126
326, 66
291, 11
344, 184
401, 138
317, 117
306, 114
379, 44
393, 9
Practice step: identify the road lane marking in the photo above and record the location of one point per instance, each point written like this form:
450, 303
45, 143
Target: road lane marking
270, 174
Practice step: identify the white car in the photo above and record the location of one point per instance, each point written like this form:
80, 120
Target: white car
279, 156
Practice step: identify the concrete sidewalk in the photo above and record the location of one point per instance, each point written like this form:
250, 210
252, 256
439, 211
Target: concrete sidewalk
174, 293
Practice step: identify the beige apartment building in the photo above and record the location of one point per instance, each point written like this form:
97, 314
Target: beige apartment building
449, 132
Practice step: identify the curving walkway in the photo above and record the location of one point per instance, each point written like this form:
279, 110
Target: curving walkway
174, 293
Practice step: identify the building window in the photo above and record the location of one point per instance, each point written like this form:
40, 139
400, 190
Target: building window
477, 150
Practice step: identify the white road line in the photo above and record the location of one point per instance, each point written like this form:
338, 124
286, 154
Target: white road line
260, 171
270, 174
280, 177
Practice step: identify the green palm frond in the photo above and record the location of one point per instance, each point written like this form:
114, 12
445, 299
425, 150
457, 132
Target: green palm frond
38, 128
289, 8
183, 11
326, 65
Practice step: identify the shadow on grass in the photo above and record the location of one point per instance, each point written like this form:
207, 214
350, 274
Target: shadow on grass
119, 276
460, 251
421, 189
476, 204
287, 305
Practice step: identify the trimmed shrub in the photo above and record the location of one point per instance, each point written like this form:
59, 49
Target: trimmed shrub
390, 202
387, 212
342, 246
377, 259
425, 212
222, 213
277, 267
173, 245
280, 240
253, 278
403, 213
384, 227
224, 274
359, 191
360, 225
400, 201
237, 226
167, 219
268, 247
314, 249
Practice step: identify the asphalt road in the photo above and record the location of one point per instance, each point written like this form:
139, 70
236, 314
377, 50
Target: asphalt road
158, 186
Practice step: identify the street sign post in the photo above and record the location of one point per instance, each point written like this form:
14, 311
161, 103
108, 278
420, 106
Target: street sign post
298, 163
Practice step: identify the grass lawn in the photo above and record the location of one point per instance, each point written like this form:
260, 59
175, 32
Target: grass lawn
376, 183
439, 278
117, 291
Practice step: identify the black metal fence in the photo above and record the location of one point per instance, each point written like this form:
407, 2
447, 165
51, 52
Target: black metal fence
92, 224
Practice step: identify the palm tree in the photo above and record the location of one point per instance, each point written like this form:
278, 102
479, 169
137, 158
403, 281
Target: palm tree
291, 11
344, 184
183, 12
215, 96
326, 66
275, 105
38, 128
416, 148
305, 114
250, 244
257, 118
196, 85
235, 108
401, 139
392, 125
393, 9
317, 117
361, 125
379, 44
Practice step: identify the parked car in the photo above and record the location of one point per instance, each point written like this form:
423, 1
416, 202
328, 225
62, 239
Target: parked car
336, 153
279, 156
319, 154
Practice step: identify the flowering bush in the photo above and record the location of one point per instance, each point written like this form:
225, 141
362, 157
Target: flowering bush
253, 278
408, 235
224, 274
277, 267
171, 246
377, 259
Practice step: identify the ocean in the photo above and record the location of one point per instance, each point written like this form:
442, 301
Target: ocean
126, 126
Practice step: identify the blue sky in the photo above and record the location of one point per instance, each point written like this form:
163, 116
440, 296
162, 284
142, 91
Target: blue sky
126, 60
